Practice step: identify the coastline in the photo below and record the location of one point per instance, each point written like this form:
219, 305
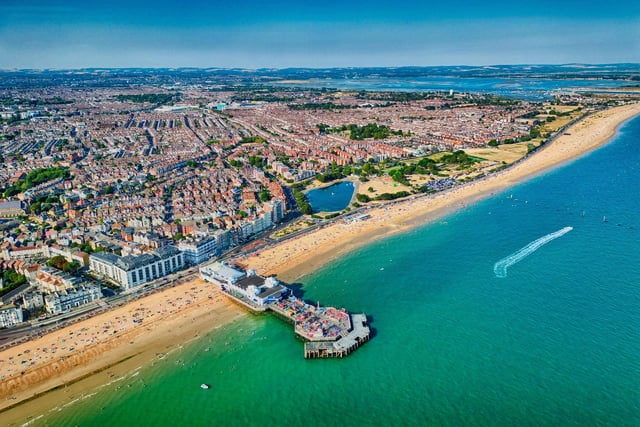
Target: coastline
295, 258
79, 358
54, 382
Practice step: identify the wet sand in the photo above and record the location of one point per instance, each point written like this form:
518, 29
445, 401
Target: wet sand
294, 258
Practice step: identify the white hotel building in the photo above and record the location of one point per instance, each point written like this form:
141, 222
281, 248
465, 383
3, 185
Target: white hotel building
130, 271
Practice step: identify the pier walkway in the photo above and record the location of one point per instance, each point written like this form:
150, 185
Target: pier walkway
327, 331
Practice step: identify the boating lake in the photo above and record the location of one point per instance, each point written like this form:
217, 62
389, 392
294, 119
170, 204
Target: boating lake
333, 198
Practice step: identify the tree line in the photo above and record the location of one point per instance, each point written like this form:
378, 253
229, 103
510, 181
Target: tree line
35, 178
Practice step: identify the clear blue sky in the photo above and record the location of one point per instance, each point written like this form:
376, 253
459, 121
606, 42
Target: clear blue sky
314, 33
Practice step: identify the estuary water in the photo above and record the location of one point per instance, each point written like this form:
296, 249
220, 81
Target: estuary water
554, 342
516, 87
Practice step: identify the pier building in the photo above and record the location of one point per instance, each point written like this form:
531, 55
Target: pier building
326, 331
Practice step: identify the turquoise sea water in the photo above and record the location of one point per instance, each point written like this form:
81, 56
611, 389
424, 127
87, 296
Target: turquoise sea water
330, 199
554, 343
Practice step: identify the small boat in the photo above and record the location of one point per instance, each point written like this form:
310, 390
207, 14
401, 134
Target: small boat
204, 386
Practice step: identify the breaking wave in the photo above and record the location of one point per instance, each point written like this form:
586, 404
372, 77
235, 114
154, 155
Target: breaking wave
500, 267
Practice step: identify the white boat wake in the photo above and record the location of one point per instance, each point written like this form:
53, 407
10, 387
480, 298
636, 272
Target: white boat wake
500, 267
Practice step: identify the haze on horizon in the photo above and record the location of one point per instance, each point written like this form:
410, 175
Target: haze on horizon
282, 33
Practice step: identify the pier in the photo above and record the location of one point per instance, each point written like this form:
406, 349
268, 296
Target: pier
328, 332
343, 346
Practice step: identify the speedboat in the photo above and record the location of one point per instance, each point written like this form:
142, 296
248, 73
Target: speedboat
204, 386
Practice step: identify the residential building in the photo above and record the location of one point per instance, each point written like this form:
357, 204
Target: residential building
11, 208
32, 300
50, 279
59, 302
10, 315
132, 271
197, 251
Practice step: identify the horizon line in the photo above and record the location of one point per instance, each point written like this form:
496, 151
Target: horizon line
186, 67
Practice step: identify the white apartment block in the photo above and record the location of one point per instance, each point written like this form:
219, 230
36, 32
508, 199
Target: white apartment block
10, 315
132, 271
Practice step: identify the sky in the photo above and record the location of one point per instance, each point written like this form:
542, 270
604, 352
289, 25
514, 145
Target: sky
252, 34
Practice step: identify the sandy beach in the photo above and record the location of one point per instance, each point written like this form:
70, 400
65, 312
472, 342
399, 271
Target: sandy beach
292, 259
87, 354
116, 341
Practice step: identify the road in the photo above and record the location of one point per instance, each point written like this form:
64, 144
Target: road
39, 327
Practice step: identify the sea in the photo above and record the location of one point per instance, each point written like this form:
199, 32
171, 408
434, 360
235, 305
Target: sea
496, 315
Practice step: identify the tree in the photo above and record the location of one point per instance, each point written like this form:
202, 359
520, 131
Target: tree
71, 267
61, 263
368, 169
57, 261
265, 196
363, 198
35, 208
301, 200
12, 280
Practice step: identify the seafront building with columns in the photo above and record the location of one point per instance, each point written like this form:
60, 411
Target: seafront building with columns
130, 271
252, 289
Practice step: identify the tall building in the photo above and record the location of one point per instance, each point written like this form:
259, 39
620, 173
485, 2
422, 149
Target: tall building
132, 271
275, 209
197, 251
10, 315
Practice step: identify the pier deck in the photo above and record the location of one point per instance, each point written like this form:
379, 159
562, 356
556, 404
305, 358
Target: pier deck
344, 345
351, 330
327, 331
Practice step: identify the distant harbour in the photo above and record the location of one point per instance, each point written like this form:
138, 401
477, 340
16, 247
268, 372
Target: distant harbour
531, 89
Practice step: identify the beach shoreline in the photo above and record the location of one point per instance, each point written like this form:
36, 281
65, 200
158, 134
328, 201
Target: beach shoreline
292, 259
107, 347
168, 323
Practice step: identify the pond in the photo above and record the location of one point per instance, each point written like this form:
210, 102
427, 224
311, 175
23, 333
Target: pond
330, 199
